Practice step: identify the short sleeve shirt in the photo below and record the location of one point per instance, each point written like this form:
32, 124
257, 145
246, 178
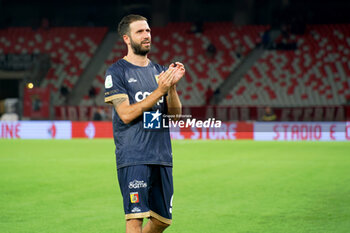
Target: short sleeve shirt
134, 144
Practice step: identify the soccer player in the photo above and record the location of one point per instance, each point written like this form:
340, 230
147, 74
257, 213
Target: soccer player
135, 85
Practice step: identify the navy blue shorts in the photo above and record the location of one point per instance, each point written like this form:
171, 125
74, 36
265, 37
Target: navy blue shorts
147, 191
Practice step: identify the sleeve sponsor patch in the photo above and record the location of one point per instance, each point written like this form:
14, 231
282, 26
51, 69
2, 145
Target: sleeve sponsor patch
108, 81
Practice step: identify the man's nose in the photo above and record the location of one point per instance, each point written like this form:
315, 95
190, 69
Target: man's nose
146, 35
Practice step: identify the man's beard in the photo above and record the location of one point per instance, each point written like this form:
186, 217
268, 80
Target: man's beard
137, 48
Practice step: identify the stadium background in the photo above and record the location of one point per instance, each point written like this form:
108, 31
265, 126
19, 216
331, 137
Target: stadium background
240, 56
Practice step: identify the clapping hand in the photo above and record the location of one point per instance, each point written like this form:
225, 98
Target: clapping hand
179, 72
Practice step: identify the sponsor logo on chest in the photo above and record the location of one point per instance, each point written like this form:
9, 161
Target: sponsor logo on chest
139, 96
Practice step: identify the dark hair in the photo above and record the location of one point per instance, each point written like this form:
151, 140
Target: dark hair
124, 25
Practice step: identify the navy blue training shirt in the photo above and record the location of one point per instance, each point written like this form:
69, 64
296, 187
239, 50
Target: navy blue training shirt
134, 144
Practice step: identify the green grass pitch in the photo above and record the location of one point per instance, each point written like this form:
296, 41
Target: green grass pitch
220, 186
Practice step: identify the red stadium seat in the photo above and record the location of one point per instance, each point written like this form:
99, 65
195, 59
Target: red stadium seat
70, 49
317, 73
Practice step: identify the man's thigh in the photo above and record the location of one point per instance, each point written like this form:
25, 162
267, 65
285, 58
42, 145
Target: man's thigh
161, 193
147, 190
134, 186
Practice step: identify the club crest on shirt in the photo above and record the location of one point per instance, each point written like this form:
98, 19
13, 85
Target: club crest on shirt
134, 197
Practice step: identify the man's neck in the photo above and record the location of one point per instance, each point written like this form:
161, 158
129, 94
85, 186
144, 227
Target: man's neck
137, 60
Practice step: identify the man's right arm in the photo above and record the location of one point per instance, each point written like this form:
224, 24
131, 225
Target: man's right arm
128, 112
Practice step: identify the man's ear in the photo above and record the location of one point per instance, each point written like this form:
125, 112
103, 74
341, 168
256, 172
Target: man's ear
126, 39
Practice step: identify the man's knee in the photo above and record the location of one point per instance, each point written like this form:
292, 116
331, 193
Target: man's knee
134, 225
134, 221
159, 224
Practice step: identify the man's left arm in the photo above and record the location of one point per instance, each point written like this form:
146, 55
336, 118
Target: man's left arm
173, 100
174, 103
